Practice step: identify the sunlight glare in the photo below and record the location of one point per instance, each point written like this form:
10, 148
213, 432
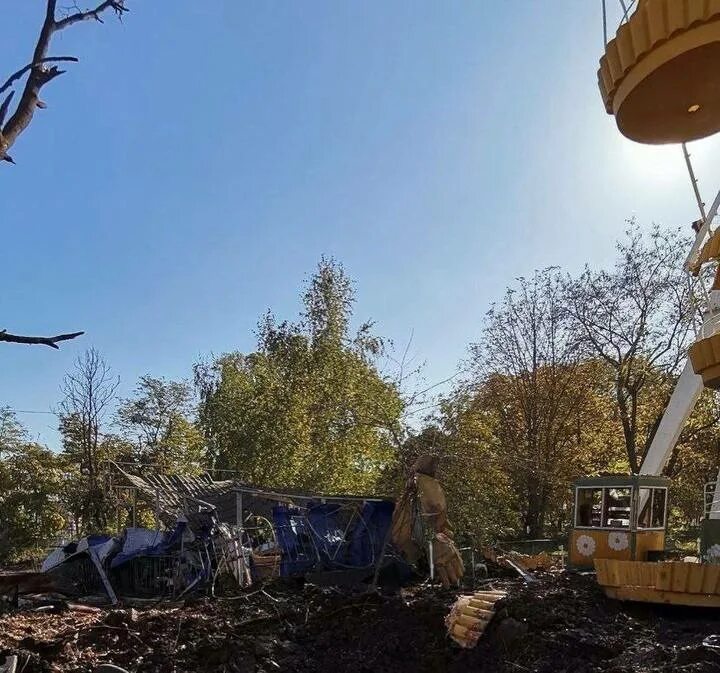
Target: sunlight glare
658, 163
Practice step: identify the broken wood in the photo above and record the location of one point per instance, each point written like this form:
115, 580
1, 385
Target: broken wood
51, 341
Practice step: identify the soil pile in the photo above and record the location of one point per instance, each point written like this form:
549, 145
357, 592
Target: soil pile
560, 623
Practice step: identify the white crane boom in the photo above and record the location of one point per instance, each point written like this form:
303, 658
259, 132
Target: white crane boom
690, 385
682, 402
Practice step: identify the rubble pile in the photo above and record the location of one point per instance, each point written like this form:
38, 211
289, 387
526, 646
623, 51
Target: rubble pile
560, 623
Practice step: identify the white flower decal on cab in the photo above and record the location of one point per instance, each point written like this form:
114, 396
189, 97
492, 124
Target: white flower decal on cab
618, 540
585, 545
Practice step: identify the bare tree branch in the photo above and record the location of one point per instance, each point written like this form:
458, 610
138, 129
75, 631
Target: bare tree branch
39, 73
38, 340
89, 391
117, 5
38, 76
50, 59
4, 107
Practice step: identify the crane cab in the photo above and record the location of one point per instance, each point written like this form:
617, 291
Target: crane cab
619, 517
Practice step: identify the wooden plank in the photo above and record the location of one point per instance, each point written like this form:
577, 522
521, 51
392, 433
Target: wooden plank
650, 595
697, 576
647, 574
467, 621
710, 581
482, 613
648, 540
680, 573
602, 550
663, 576
101, 571
633, 573
607, 571
601, 570
620, 573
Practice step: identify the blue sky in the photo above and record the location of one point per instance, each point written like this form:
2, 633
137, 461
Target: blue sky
202, 156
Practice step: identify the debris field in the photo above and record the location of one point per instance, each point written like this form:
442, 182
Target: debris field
560, 623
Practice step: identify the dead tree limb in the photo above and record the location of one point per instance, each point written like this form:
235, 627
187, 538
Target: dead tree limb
50, 59
117, 5
3, 112
39, 73
38, 340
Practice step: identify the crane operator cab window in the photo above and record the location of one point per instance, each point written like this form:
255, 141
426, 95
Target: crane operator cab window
616, 508
652, 505
607, 507
589, 507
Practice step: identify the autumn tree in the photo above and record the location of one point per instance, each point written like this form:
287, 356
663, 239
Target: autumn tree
31, 483
158, 421
694, 461
637, 319
309, 408
522, 422
12, 432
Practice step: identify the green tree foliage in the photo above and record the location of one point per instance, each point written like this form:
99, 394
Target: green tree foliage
31, 486
157, 421
309, 408
525, 423
694, 462
569, 377
12, 432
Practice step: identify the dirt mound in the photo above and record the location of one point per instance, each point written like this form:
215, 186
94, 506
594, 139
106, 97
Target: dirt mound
561, 623
565, 623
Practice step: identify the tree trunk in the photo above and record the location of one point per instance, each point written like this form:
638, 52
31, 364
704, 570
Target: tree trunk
535, 515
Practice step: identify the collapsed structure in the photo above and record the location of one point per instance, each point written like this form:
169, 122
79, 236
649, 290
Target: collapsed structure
206, 529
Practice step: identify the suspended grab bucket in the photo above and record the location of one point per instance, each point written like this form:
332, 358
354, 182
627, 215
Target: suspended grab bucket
705, 358
660, 75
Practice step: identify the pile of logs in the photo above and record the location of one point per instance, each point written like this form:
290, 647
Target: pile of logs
470, 615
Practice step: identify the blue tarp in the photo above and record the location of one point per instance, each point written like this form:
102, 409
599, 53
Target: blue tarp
326, 532
314, 539
367, 540
146, 542
294, 537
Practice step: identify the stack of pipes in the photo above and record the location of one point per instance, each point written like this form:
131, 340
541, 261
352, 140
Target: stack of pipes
470, 615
